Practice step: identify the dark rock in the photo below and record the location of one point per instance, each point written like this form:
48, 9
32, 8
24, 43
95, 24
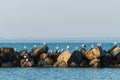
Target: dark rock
7, 64
40, 50
61, 64
76, 58
42, 63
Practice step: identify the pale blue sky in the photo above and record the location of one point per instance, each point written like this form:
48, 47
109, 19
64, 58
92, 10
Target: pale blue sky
59, 18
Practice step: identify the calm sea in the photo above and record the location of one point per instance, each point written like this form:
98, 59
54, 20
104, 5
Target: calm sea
58, 73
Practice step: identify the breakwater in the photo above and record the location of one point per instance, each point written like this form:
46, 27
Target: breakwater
43, 57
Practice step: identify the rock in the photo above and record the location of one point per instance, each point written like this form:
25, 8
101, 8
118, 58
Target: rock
61, 64
93, 53
64, 56
63, 59
6, 50
76, 58
40, 50
43, 56
42, 63
73, 64
23, 53
94, 62
49, 61
7, 64
26, 63
54, 56
105, 60
115, 51
7, 54
35, 53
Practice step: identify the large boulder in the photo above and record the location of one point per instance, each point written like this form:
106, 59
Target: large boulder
7, 64
6, 50
75, 59
106, 60
49, 61
114, 51
54, 56
44, 60
94, 62
61, 64
27, 63
43, 56
42, 63
92, 53
36, 52
23, 54
63, 59
7, 54
64, 56
40, 50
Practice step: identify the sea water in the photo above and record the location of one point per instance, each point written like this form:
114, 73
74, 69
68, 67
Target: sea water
58, 73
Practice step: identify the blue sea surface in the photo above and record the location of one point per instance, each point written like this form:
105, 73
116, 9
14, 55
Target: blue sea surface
58, 73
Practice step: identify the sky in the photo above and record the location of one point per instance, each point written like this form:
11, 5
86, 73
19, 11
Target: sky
38, 19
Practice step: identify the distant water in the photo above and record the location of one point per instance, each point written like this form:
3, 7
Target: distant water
58, 73
52, 46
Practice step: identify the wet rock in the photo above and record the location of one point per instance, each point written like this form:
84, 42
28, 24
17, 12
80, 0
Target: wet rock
61, 64
40, 50
75, 59
7, 64
27, 63
64, 56
42, 63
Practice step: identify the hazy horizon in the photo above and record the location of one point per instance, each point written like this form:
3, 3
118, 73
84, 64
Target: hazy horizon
47, 19
61, 40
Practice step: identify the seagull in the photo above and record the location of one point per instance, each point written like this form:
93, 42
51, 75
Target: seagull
35, 46
57, 48
51, 51
25, 47
92, 46
27, 59
62, 50
25, 56
83, 45
58, 51
115, 43
68, 47
15, 49
99, 44
76, 48
44, 43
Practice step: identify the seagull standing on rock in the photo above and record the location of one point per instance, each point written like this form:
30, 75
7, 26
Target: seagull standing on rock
35, 46
26, 60
57, 49
92, 46
62, 50
99, 44
44, 43
68, 47
76, 48
115, 43
51, 51
25, 47
25, 57
83, 45
15, 49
